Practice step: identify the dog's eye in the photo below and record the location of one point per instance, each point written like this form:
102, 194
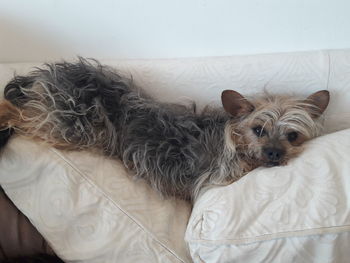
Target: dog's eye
292, 136
259, 131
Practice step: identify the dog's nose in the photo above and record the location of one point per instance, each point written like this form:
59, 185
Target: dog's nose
274, 154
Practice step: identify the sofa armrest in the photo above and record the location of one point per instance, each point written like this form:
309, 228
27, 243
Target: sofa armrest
18, 237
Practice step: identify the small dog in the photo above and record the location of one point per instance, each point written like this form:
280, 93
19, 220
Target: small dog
84, 105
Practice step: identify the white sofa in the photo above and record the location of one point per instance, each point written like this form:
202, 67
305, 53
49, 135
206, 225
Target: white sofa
90, 210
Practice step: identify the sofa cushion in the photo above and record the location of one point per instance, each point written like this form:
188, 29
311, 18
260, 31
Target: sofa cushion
296, 213
90, 209
174, 80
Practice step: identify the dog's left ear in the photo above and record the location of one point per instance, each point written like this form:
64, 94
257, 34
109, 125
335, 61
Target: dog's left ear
318, 102
235, 104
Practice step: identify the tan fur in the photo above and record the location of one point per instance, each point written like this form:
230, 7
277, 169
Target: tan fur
243, 149
278, 116
9, 115
29, 123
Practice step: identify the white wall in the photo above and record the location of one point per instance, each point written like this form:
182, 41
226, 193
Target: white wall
33, 30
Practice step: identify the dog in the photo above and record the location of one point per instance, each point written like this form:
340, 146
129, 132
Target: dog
177, 150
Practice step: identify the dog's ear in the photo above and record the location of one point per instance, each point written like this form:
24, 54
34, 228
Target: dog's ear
235, 104
317, 103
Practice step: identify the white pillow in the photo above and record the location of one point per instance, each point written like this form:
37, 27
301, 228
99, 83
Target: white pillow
296, 213
89, 209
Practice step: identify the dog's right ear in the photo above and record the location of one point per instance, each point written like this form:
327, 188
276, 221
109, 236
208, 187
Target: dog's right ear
235, 104
317, 103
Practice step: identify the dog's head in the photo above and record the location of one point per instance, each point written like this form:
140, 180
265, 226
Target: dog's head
270, 130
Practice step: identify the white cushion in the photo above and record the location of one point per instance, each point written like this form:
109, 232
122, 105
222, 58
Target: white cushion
199, 79
296, 213
89, 208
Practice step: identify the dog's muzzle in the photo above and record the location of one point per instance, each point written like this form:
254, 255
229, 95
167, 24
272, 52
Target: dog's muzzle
273, 156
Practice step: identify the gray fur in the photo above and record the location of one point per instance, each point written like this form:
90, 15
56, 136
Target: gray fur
91, 106
179, 151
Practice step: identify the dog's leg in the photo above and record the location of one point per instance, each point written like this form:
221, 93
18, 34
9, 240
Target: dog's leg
28, 123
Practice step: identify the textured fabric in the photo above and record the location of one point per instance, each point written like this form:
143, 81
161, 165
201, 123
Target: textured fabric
89, 209
296, 213
56, 196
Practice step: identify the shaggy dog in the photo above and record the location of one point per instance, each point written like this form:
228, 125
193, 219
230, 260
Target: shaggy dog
84, 105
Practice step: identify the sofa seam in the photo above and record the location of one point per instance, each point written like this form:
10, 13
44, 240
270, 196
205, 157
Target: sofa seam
282, 234
87, 179
329, 68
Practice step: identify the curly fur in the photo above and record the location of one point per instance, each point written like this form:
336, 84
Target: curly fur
85, 105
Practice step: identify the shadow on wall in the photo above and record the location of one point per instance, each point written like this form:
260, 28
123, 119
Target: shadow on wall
24, 43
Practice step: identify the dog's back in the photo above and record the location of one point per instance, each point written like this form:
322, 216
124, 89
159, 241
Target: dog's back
85, 105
